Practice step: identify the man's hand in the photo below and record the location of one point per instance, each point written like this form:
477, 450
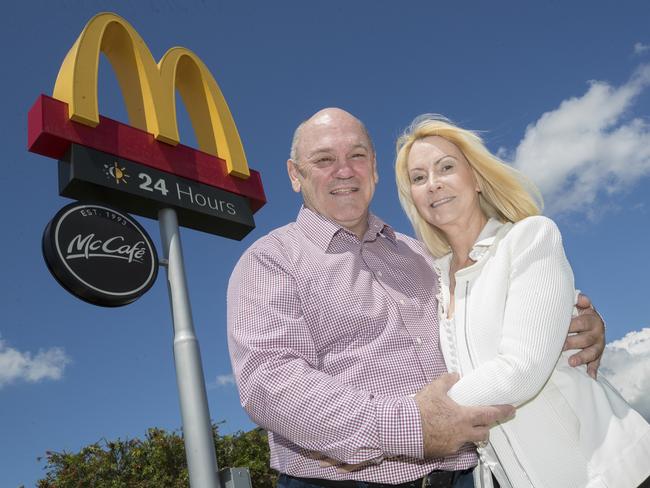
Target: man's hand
446, 426
586, 332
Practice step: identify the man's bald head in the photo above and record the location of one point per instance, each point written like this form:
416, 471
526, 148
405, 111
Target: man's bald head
326, 116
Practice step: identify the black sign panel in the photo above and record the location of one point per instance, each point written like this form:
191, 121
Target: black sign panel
100, 254
88, 174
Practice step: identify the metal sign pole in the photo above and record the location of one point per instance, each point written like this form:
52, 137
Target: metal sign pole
197, 428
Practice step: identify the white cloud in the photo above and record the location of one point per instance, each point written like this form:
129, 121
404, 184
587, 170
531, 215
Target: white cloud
588, 146
16, 365
640, 48
626, 364
223, 380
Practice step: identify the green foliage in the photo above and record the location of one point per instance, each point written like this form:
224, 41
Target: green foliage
155, 462
247, 449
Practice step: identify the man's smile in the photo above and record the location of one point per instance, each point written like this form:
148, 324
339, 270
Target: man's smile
344, 191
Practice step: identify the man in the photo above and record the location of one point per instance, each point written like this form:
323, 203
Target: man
333, 334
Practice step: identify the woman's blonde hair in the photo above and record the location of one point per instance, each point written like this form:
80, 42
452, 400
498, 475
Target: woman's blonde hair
504, 192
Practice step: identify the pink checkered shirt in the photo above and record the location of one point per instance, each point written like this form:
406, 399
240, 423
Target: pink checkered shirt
329, 337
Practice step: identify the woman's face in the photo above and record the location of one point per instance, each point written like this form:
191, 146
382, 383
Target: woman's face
443, 186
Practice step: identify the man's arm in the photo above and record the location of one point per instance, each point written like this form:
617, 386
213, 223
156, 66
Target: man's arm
446, 426
587, 332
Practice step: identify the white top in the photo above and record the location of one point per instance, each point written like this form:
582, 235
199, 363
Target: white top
512, 312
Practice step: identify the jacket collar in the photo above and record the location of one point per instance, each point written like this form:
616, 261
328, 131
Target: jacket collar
482, 245
485, 239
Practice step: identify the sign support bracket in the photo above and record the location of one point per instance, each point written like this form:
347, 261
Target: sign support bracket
197, 427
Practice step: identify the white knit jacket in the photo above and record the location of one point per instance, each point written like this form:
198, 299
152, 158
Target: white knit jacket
511, 315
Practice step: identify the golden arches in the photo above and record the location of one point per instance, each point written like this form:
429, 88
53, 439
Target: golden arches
149, 89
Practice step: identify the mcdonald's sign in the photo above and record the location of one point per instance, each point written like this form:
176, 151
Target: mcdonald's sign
212, 187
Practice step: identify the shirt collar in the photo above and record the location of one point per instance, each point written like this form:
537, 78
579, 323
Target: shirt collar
377, 228
485, 238
324, 233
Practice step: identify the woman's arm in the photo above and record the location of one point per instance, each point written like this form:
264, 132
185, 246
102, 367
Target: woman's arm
538, 309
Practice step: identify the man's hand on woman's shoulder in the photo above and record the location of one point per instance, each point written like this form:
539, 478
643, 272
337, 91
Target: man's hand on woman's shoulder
586, 332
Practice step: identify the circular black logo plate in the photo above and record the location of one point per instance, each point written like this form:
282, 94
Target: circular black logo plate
100, 254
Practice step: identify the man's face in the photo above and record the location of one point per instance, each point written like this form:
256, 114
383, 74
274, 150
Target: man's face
335, 169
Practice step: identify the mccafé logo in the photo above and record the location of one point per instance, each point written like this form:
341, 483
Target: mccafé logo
100, 254
90, 247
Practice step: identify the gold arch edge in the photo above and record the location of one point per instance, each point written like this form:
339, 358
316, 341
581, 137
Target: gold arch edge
148, 89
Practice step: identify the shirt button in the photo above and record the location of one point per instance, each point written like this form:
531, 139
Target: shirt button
401, 302
380, 274
418, 340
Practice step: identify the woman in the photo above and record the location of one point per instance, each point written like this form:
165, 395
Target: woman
505, 301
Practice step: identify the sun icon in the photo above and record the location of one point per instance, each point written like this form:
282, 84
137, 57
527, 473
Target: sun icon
116, 173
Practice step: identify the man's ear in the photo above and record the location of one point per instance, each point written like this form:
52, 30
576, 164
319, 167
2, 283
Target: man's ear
293, 175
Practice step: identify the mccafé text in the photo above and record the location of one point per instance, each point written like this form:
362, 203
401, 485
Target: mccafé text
89, 246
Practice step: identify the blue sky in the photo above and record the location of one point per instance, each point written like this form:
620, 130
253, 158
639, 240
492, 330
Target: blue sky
561, 89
